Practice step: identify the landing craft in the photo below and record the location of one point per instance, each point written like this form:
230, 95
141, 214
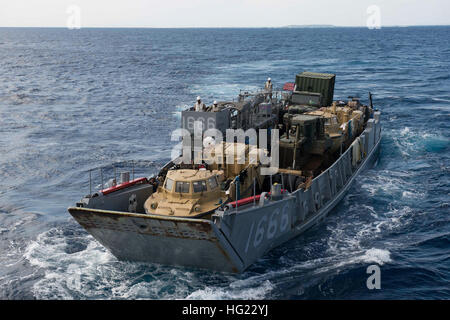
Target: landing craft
224, 216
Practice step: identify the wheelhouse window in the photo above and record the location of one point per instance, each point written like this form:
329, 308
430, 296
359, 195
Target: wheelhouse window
169, 184
212, 183
199, 186
182, 187
334, 120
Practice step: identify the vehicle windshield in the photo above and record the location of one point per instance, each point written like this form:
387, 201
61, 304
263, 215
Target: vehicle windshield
169, 184
199, 186
212, 183
182, 187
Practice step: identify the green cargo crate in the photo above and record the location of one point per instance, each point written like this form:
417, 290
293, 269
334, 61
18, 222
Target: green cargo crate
322, 83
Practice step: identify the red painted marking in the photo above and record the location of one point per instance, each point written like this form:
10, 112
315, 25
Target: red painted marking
289, 86
249, 200
124, 185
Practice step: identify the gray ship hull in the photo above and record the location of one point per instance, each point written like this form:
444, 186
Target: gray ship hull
235, 238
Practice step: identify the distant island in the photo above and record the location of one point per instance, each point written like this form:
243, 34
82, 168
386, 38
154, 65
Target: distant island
310, 26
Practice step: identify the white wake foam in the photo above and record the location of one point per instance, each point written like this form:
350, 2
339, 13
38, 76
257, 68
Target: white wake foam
233, 293
379, 256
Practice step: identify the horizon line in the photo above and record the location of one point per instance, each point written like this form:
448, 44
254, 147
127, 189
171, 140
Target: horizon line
318, 26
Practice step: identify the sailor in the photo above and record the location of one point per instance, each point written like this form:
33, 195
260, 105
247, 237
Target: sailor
152, 181
268, 88
199, 106
215, 107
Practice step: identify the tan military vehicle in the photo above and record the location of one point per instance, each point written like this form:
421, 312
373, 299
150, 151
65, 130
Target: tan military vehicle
315, 137
341, 123
197, 191
187, 192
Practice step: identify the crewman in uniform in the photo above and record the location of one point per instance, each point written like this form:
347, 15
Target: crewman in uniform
268, 88
199, 106
215, 107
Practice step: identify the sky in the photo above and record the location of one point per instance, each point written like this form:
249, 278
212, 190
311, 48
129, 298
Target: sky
220, 13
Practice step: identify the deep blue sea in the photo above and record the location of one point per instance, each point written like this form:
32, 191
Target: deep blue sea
72, 100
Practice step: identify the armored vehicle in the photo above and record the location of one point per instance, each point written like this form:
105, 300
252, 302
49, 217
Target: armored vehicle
187, 193
198, 190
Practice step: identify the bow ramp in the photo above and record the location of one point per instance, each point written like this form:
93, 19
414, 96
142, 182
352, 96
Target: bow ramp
165, 240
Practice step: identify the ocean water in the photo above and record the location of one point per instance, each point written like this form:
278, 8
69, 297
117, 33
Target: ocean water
72, 100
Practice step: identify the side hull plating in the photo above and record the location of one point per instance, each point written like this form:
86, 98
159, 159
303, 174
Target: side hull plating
255, 231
